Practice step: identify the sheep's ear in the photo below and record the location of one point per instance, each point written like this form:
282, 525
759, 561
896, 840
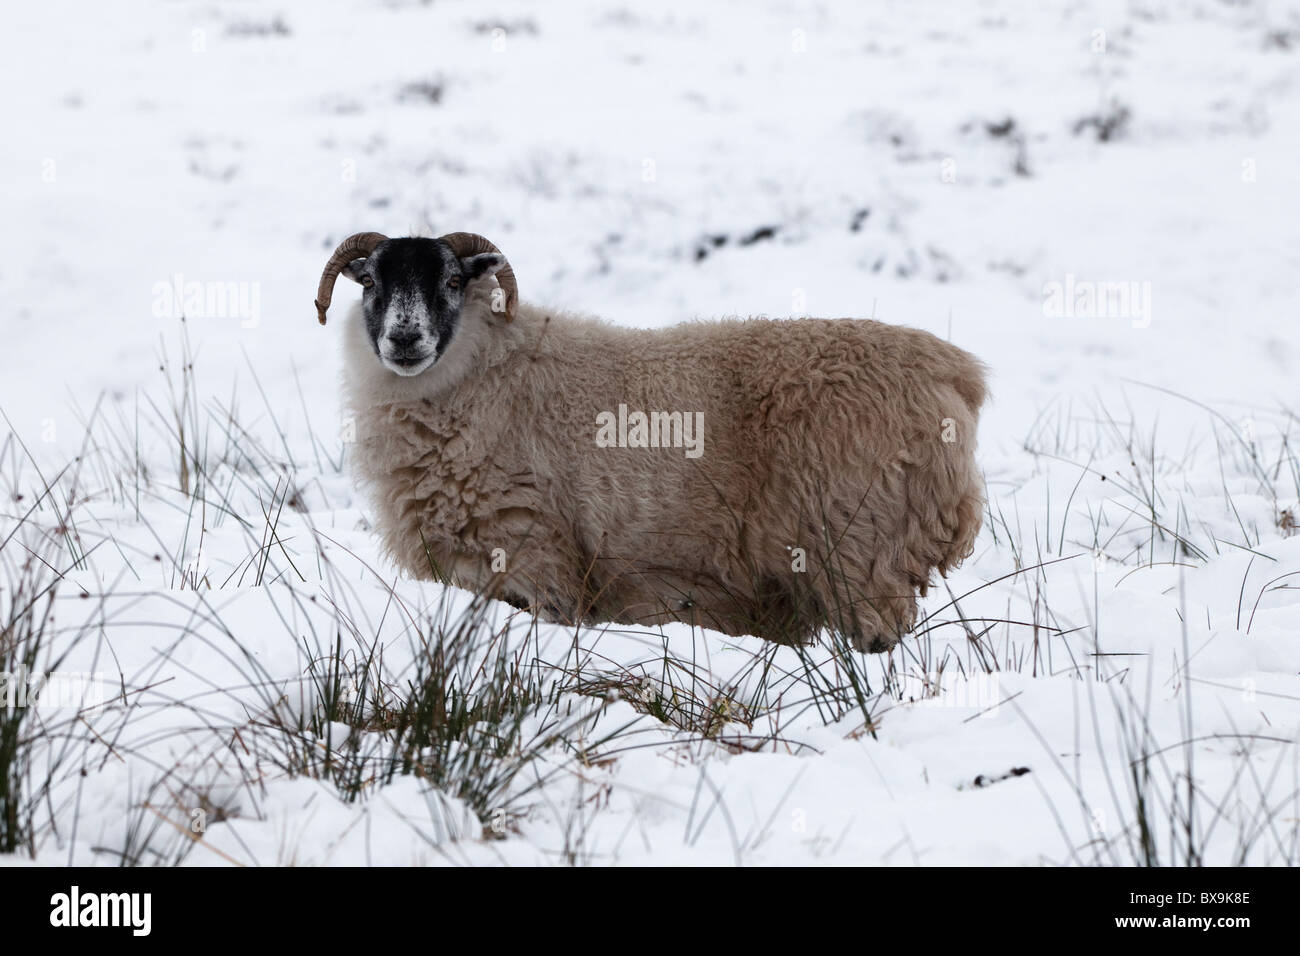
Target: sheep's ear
483, 264
353, 269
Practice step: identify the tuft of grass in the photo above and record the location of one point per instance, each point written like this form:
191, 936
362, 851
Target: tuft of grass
52, 721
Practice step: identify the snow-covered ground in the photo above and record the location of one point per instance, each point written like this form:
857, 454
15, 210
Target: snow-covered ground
1124, 624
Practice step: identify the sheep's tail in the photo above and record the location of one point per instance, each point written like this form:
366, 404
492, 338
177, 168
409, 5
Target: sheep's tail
946, 495
968, 377
942, 510
969, 514
964, 481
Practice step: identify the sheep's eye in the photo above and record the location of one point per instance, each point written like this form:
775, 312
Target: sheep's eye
367, 282
454, 282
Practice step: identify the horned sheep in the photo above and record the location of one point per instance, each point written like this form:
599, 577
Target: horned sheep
758, 477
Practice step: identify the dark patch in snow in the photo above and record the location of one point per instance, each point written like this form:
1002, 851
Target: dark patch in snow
716, 241
982, 781
1106, 125
248, 28
423, 91
1281, 39
1006, 129
1007, 265
524, 27
909, 263
758, 235
708, 243
890, 128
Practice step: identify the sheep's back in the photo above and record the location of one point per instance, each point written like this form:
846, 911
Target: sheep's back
789, 408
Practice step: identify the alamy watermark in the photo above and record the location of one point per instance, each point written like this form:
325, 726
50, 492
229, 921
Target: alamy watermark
636, 429
58, 689
133, 911
1088, 299
949, 689
193, 299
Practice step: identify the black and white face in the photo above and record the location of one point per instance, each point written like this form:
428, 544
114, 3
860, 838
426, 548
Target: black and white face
413, 293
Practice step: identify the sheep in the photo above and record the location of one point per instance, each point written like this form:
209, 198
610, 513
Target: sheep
775, 478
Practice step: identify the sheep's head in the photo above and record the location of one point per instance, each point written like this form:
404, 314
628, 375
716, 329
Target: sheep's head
414, 290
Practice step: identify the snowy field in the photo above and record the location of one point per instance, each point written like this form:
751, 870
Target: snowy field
1111, 678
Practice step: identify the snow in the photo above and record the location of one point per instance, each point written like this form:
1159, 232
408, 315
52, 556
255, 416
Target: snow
1138, 466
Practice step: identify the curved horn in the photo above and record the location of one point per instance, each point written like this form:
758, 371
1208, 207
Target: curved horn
471, 244
356, 246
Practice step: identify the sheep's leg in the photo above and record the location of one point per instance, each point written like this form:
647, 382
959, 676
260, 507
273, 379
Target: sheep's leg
513, 555
517, 587
549, 606
546, 587
968, 518
515, 600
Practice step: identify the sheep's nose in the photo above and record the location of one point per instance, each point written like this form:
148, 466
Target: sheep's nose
403, 340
